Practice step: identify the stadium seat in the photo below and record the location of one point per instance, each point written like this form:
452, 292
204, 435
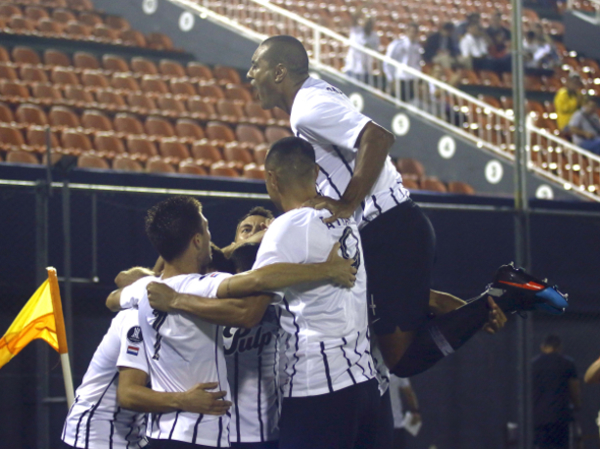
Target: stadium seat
83, 60
227, 74
21, 157
190, 167
64, 76
206, 154
4, 56
63, 116
114, 63
46, 93
90, 19
199, 70
77, 30
182, 87
8, 73
128, 124
94, 78
35, 13
230, 111
8, 10
201, 109
111, 100
56, 58
260, 153
108, 142
154, 84
236, 92
124, 81
10, 137
25, 55
234, 152
143, 65
219, 131
21, 24
141, 103
31, 73
190, 129
157, 126
157, 165
141, 145
280, 114
73, 139
117, 23
211, 90
81, 5
37, 138
173, 149
171, 68
433, 185
221, 168
159, 41
256, 114
96, 120
6, 114
460, 188
124, 162
15, 89
31, 114
78, 96
250, 134
92, 160
410, 166
50, 27
253, 171
103, 33
133, 38
64, 16
410, 184
171, 106
275, 133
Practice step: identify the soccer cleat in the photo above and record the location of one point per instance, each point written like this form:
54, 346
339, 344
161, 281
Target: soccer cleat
530, 292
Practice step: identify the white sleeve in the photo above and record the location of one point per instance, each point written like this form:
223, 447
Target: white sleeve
206, 286
132, 294
324, 118
132, 353
465, 51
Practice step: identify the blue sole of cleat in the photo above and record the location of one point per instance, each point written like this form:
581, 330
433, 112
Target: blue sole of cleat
555, 302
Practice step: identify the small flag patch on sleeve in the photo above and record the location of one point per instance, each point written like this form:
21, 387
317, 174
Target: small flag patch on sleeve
133, 350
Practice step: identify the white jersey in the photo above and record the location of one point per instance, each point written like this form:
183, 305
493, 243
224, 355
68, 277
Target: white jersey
395, 384
327, 339
252, 370
382, 372
325, 117
95, 420
182, 351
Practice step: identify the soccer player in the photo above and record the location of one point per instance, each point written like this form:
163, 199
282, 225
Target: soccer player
250, 229
357, 178
109, 404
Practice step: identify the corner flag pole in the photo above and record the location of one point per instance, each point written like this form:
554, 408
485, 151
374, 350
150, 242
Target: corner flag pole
61, 335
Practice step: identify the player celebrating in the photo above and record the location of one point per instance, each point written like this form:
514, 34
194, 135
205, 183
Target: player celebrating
357, 178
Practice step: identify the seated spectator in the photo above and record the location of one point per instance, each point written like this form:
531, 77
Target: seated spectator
441, 47
567, 100
537, 52
499, 53
359, 64
406, 50
474, 49
462, 28
497, 27
585, 127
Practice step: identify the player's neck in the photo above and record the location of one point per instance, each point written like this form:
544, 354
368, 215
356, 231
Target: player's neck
179, 266
290, 95
296, 198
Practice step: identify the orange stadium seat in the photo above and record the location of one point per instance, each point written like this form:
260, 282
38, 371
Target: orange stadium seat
108, 142
103, 33
133, 38
236, 92
410, 167
4, 56
171, 68
92, 160
219, 131
227, 74
114, 63
90, 19
36, 13
190, 129
64, 76
77, 30
199, 70
275, 133
461, 188
190, 167
117, 23
78, 96
15, 89
63, 16
260, 153
73, 139
230, 111
124, 162
433, 185
6, 114
63, 116
46, 93
157, 165
96, 120
55, 57
25, 55
171, 106
10, 137
94, 78
124, 81
172, 148
253, 171
250, 134
111, 100
206, 154
31, 73
128, 124
234, 152
201, 109
31, 115
182, 87
157, 126
22, 24
50, 27
256, 114
143, 65
211, 90
9, 10
154, 84
21, 157
8, 73
221, 168
159, 41
37, 138
83, 60
141, 145
141, 103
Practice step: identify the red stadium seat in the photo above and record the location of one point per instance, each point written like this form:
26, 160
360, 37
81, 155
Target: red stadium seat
236, 92
256, 114
230, 111
233, 152
260, 153
201, 109
227, 74
206, 154
253, 171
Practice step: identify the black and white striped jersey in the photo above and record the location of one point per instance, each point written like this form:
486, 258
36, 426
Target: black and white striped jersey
182, 351
252, 370
326, 338
325, 117
95, 420
383, 374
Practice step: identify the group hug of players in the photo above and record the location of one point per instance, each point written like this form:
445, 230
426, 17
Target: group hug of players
294, 350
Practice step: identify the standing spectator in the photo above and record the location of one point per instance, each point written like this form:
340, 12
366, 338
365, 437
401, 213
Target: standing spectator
359, 64
406, 50
585, 126
497, 27
499, 53
441, 47
556, 393
567, 100
474, 49
404, 400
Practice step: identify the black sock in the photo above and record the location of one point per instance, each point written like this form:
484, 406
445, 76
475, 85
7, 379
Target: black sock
444, 334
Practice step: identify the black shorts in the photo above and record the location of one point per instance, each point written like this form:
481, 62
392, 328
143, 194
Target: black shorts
385, 423
344, 419
552, 436
399, 249
263, 445
174, 444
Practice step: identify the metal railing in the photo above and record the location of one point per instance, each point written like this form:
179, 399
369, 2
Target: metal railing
587, 6
489, 128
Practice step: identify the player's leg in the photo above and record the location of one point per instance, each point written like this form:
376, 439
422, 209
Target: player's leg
385, 423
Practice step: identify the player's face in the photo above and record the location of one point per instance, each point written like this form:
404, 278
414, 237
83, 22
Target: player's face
261, 76
250, 226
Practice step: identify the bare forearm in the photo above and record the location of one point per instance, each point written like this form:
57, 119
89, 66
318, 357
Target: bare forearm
113, 302
373, 150
592, 375
410, 398
143, 399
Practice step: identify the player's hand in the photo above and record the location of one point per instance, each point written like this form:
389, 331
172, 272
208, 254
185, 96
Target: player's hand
341, 271
415, 419
199, 400
161, 296
338, 208
128, 277
254, 238
496, 318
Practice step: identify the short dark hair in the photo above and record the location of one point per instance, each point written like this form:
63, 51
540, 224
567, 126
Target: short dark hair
289, 51
171, 224
552, 341
414, 25
244, 256
257, 210
448, 26
292, 157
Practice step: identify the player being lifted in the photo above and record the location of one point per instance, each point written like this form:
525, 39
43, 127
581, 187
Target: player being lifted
357, 178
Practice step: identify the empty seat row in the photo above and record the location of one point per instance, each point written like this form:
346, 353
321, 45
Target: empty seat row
74, 5
413, 177
62, 15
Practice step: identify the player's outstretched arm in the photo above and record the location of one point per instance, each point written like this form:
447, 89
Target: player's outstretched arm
133, 394
373, 143
123, 279
592, 375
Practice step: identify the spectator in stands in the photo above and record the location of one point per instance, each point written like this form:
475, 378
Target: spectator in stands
433, 99
474, 49
556, 393
499, 53
567, 100
359, 64
537, 52
585, 126
406, 50
441, 47
497, 27
472, 19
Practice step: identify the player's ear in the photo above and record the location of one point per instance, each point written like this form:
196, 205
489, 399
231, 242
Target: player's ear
280, 73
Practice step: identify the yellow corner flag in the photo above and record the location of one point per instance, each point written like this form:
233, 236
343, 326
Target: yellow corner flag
42, 317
